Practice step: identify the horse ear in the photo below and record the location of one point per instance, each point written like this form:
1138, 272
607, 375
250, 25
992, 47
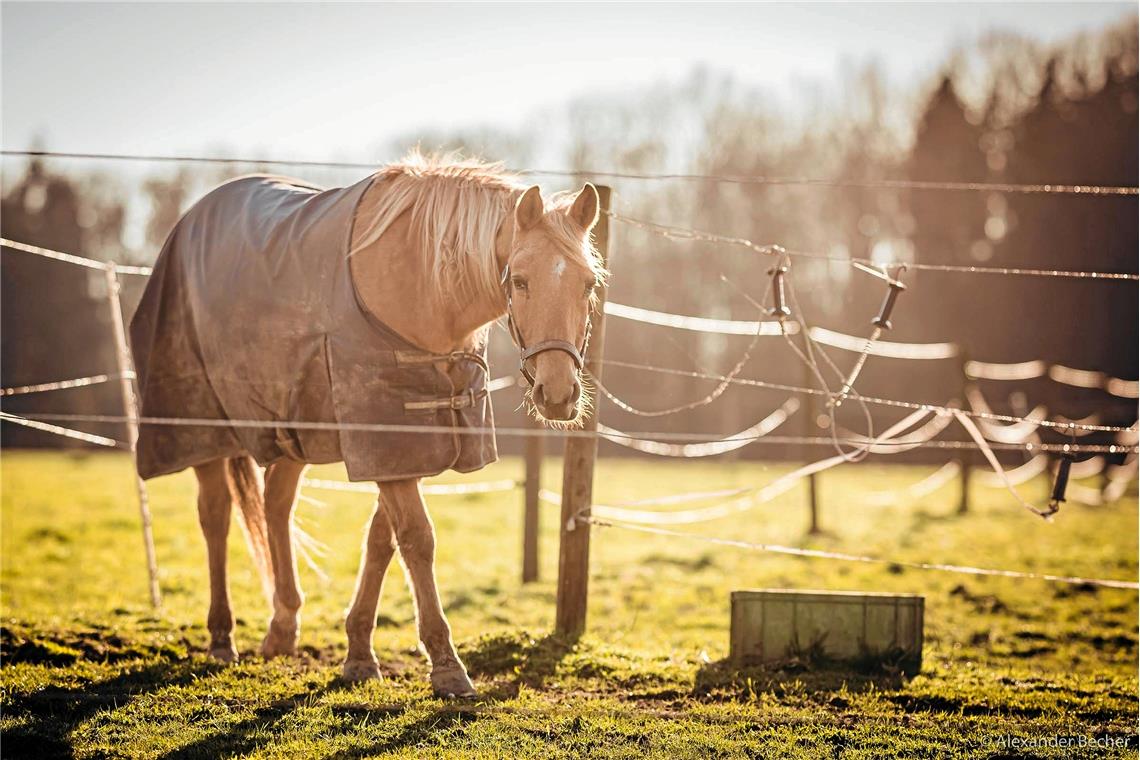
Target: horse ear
584, 210
529, 208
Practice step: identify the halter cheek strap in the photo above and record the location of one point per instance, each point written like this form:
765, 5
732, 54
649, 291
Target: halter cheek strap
525, 354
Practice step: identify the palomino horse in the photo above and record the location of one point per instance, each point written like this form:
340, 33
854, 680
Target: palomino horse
275, 303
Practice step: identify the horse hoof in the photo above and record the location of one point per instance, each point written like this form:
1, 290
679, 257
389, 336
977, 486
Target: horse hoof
277, 644
452, 683
356, 671
225, 654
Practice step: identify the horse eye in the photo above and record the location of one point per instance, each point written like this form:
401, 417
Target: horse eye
589, 290
519, 283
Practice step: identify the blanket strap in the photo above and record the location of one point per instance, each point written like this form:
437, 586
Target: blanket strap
462, 401
465, 400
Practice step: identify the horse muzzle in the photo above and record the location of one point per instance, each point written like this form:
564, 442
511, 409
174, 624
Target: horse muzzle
557, 406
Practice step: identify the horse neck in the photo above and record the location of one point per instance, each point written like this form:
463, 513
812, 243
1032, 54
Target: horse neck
395, 285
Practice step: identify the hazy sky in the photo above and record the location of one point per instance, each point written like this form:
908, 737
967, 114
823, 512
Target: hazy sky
336, 81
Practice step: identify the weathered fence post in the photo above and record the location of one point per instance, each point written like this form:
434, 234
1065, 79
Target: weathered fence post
965, 460
532, 484
810, 429
578, 472
813, 498
130, 410
964, 480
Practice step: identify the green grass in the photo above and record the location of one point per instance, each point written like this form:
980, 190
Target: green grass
90, 670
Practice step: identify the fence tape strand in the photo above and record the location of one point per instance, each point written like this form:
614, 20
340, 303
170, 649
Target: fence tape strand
78, 382
842, 556
78, 435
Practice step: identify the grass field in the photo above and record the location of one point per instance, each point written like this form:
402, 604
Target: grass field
90, 670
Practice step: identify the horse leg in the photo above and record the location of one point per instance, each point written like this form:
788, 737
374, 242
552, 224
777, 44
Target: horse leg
404, 506
379, 546
281, 481
215, 503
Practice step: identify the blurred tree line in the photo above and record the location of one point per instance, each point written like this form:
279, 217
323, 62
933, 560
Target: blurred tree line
1005, 110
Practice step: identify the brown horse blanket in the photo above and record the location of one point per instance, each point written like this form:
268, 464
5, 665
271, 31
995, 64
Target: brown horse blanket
251, 315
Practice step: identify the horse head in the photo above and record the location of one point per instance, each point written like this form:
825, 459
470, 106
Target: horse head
550, 279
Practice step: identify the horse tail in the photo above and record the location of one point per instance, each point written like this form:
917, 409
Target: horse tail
248, 488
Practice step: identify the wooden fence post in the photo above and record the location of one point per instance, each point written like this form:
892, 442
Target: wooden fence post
578, 472
533, 458
131, 411
813, 499
810, 429
964, 480
965, 460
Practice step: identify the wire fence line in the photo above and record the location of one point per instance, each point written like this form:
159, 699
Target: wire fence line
71, 258
735, 179
79, 435
1014, 432
687, 233
1120, 476
754, 497
869, 399
622, 311
889, 402
759, 496
887, 349
78, 382
841, 556
896, 434
506, 381
526, 432
490, 486
748, 328
912, 440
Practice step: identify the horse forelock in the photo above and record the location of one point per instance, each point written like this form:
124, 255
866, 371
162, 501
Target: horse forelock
568, 235
457, 207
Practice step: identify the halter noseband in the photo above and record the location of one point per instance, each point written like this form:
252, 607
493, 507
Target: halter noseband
525, 354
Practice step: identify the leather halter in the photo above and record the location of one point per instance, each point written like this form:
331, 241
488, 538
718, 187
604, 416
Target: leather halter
525, 354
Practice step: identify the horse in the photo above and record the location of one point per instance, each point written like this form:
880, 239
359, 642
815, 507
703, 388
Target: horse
274, 301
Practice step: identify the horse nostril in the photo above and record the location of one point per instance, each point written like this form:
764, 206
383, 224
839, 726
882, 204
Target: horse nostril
537, 395
576, 392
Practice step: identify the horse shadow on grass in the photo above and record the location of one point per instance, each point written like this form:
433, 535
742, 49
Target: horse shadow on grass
255, 732
502, 663
420, 730
517, 657
49, 716
525, 660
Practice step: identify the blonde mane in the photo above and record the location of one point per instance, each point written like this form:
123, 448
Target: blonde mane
457, 206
